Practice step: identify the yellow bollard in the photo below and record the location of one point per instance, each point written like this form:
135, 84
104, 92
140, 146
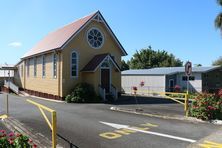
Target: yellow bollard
7, 111
186, 105
54, 130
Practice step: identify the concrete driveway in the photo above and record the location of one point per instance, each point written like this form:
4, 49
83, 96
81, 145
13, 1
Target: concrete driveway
151, 105
94, 125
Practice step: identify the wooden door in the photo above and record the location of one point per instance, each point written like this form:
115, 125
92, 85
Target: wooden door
105, 79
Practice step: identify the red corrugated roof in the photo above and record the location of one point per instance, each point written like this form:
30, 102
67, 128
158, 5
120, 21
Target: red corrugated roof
96, 61
59, 37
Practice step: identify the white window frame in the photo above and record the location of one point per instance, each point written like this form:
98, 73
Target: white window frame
71, 64
22, 70
35, 66
87, 33
43, 66
54, 65
28, 67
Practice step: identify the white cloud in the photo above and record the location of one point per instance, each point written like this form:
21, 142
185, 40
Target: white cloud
15, 44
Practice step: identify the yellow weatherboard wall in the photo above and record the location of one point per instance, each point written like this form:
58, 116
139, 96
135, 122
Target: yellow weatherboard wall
63, 84
86, 53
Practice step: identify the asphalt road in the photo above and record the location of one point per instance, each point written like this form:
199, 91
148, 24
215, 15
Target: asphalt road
90, 126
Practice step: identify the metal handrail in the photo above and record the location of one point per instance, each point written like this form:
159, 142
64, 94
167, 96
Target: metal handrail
114, 91
165, 94
12, 86
52, 125
102, 92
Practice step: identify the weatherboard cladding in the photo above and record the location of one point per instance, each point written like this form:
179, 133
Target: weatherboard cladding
166, 70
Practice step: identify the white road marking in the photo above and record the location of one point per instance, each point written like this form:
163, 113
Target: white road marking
121, 126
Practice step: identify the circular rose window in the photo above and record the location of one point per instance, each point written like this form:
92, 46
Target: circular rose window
95, 38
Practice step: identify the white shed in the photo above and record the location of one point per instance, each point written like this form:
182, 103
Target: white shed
166, 78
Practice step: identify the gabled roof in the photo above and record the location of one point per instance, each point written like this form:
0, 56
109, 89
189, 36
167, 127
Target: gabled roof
95, 62
167, 70
59, 38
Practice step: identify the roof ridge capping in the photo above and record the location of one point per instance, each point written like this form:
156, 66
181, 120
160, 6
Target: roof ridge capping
91, 14
59, 38
38, 49
168, 70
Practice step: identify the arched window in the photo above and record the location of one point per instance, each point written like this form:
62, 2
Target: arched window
54, 65
74, 64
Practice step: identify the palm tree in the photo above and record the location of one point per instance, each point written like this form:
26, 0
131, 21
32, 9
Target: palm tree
218, 20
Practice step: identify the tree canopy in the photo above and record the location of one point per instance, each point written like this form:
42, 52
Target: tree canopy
124, 65
218, 62
218, 19
148, 58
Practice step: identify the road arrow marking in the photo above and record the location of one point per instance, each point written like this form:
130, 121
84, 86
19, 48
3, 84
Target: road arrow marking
121, 126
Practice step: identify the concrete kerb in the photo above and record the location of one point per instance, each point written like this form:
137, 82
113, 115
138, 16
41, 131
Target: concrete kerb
51, 100
182, 118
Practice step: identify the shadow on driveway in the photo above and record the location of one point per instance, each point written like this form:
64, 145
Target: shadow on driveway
151, 105
127, 100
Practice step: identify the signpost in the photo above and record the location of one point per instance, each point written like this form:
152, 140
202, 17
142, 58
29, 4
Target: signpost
188, 71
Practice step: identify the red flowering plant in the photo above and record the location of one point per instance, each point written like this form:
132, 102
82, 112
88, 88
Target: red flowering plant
142, 83
219, 93
15, 141
177, 88
206, 107
134, 88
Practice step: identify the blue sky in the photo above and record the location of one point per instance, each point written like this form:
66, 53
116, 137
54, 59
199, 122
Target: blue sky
182, 27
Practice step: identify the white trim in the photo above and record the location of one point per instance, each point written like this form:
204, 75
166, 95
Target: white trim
28, 67
77, 64
107, 27
103, 37
98, 19
103, 61
76, 33
112, 34
22, 69
54, 76
35, 63
43, 66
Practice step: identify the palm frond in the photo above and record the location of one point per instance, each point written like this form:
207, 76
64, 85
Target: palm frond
219, 2
218, 21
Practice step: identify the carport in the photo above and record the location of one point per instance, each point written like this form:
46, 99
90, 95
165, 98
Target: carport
6, 75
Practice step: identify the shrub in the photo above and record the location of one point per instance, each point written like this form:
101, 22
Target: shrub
15, 141
207, 107
83, 92
68, 99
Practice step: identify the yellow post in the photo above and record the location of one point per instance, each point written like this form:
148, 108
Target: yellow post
186, 104
52, 125
54, 130
7, 112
